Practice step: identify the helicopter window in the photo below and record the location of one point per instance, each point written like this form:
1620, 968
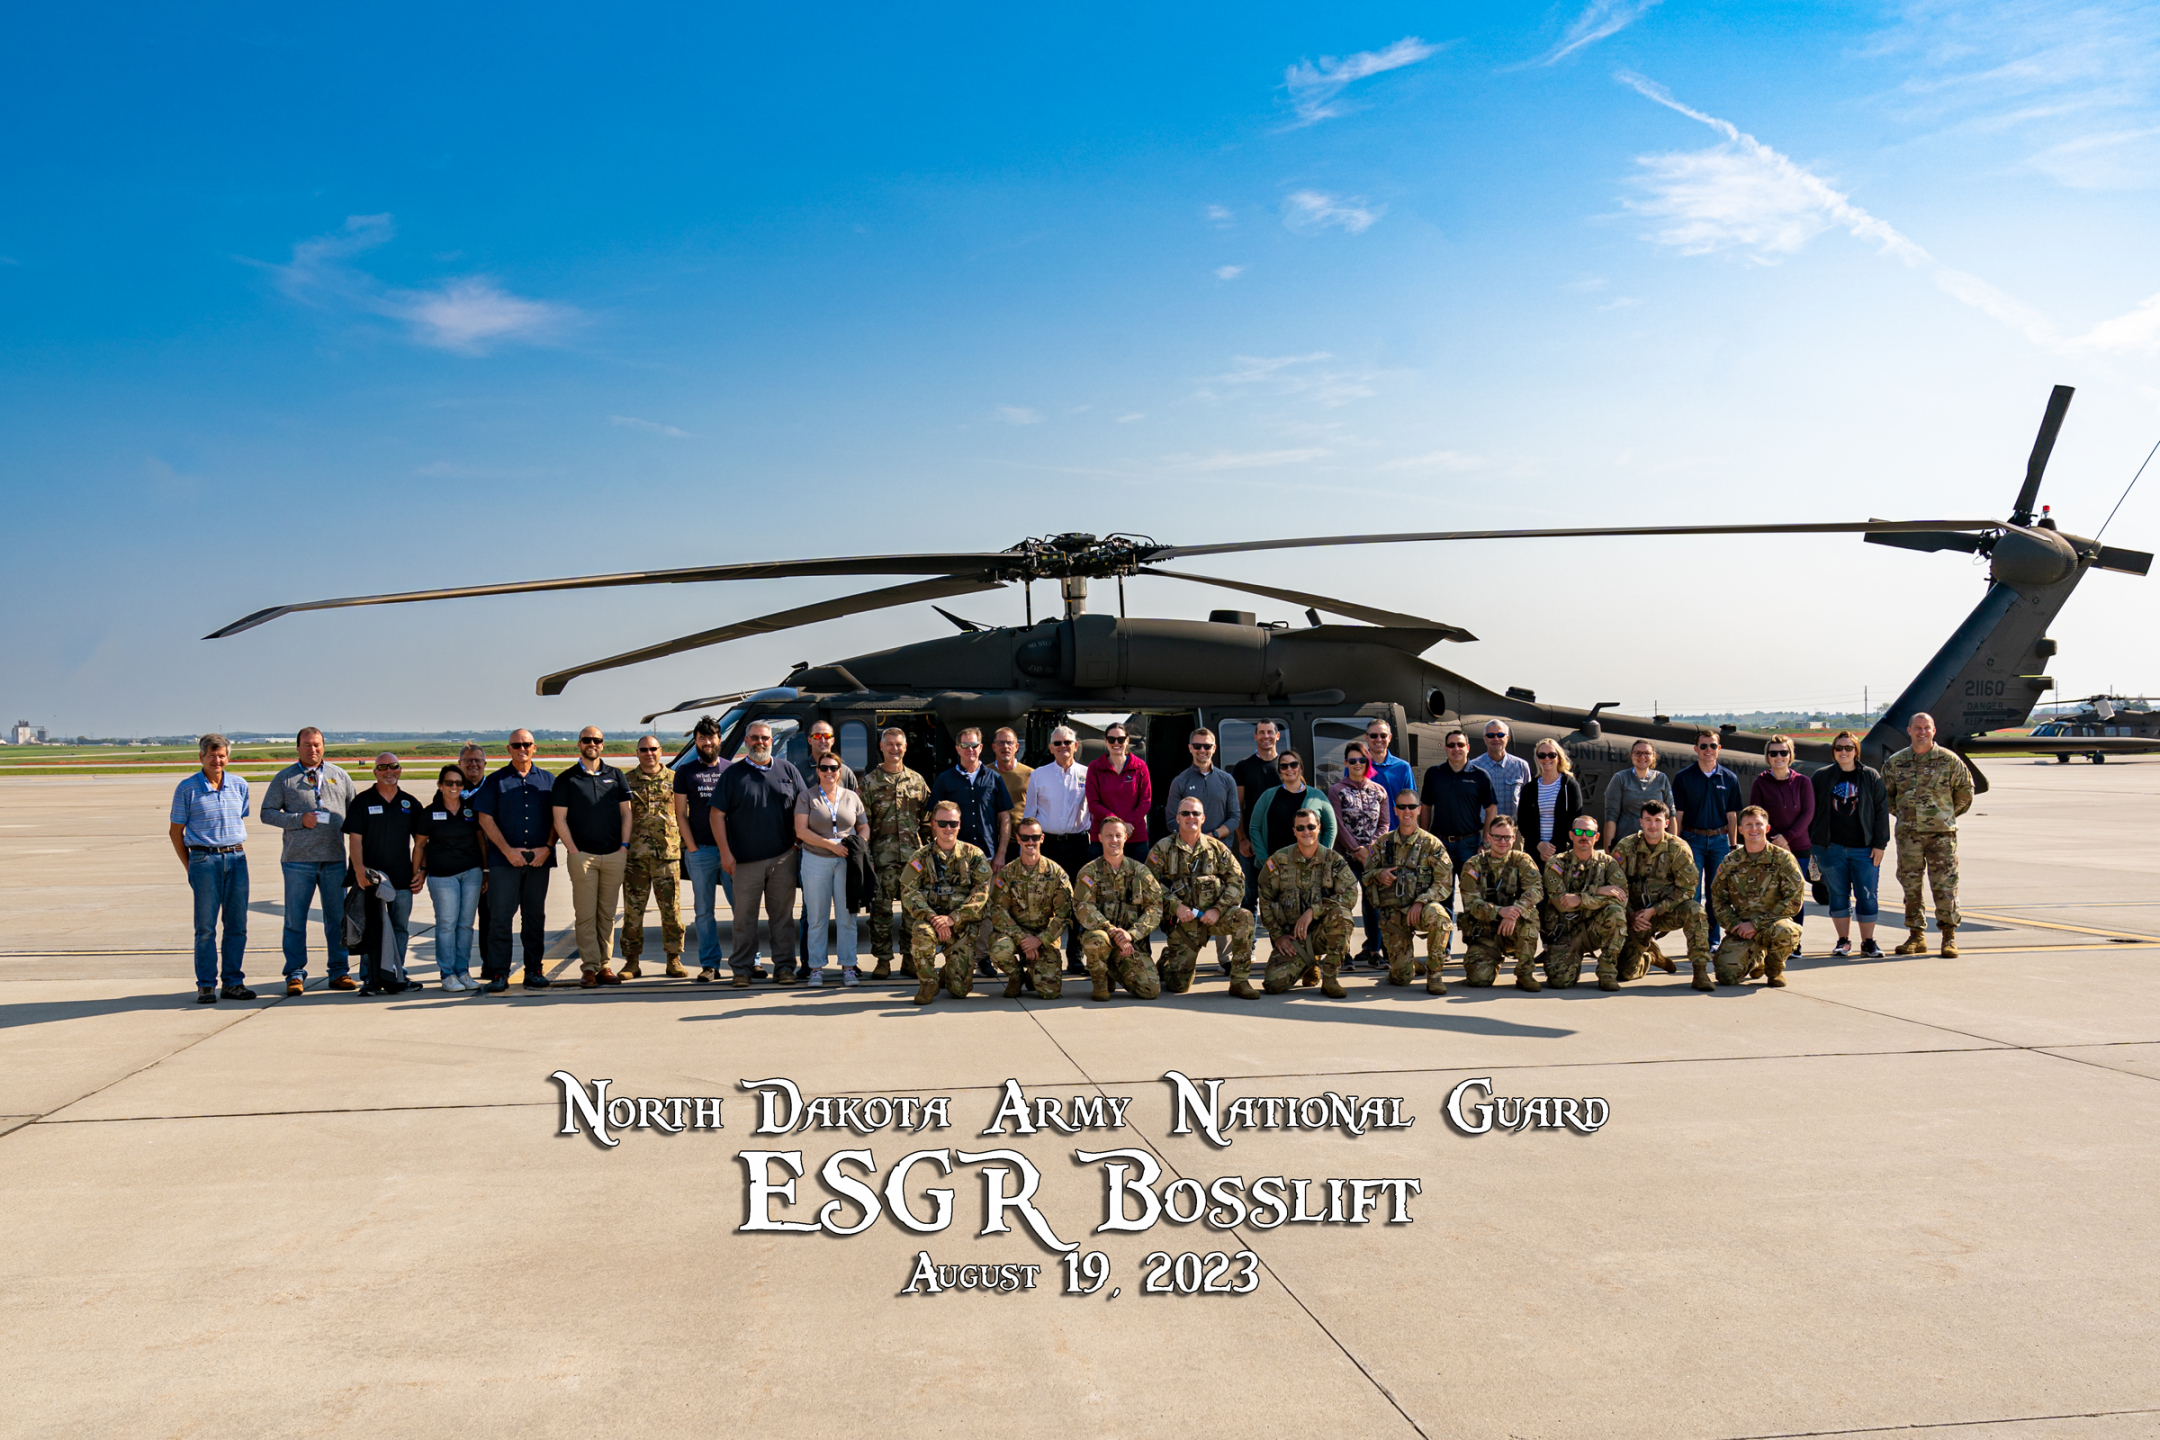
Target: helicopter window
1235, 740
1329, 736
855, 745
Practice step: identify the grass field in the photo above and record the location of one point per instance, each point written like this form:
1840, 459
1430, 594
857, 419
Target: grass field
259, 761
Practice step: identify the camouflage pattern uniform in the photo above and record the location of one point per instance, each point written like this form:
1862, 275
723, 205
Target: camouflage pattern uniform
1661, 880
655, 852
1423, 876
957, 885
898, 809
1289, 886
1036, 902
1131, 899
1490, 883
1927, 794
1203, 876
1765, 889
1599, 923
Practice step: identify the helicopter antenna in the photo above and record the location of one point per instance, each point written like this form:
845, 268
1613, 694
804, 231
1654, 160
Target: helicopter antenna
2128, 488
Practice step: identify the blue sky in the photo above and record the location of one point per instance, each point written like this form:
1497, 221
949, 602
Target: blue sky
300, 307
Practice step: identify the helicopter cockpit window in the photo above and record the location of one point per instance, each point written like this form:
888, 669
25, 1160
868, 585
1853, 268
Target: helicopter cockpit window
1329, 736
854, 745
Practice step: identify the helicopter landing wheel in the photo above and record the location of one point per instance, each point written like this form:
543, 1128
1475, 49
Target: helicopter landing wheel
2099, 758
2063, 759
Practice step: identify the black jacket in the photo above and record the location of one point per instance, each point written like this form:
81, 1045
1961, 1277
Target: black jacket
1872, 809
861, 874
1526, 814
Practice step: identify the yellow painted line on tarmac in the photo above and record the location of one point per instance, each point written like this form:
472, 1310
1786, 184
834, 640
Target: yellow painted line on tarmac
2115, 945
2025, 924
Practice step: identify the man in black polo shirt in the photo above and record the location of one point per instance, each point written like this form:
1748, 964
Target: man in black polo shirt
380, 827
755, 801
1255, 776
592, 815
1458, 800
518, 817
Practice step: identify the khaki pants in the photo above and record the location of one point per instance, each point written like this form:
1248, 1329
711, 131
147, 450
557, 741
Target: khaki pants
595, 887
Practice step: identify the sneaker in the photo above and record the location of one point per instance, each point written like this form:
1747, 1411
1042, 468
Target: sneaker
1840, 951
499, 984
849, 977
815, 979
706, 976
534, 980
237, 992
295, 985
1870, 949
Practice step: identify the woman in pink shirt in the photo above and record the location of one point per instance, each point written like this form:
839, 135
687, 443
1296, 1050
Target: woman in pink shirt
1118, 784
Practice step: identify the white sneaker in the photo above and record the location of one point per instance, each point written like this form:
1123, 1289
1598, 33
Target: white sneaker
464, 982
848, 976
817, 978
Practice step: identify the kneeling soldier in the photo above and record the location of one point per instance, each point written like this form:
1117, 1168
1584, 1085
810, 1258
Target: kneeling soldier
1661, 879
1408, 886
1306, 895
1118, 904
1757, 893
1501, 889
1203, 887
1585, 909
943, 892
1031, 903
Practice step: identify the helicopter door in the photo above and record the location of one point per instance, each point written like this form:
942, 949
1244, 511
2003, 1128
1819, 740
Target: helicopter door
1166, 758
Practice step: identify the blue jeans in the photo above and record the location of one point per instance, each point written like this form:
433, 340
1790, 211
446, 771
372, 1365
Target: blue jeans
457, 902
1710, 852
304, 880
706, 876
824, 891
220, 883
1851, 877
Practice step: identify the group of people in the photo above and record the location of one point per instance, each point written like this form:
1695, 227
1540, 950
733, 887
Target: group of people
999, 868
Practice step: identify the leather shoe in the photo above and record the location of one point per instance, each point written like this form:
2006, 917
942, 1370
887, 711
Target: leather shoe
343, 982
534, 980
609, 977
237, 992
739, 982
295, 985
590, 980
207, 995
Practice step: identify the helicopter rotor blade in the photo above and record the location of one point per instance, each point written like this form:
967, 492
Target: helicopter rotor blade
2129, 562
1927, 540
834, 609
754, 570
1841, 527
1355, 611
2043, 446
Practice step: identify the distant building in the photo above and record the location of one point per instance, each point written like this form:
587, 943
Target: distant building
26, 735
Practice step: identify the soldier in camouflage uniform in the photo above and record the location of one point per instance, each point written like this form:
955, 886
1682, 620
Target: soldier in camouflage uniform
1408, 885
1757, 892
1030, 899
896, 801
1497, 879
944, 890
1200, 876
1113, 896
655, 852
1597, 920
1929, 787
1661, 880
1306, 895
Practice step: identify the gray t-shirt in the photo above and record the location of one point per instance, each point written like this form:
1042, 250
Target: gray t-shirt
1624, 797
834, 819
295, 791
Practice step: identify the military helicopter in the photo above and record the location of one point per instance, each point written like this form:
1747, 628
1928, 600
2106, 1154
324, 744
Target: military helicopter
2108, 725
1321, 682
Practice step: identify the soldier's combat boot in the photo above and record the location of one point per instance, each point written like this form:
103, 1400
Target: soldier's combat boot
1702, 976
1330, 986
1665, 963
1012, 986
1524, 980
960, 979
675, 969
1915, 944
1177, 982
884, 969
1241, 989
1776, 972
1434, 985
1949, 942
630, 971
1311, 976
927, 991
1607, 982
1102, 988
1756, 973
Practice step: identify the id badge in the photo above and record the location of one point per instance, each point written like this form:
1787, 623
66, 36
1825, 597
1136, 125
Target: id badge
322, 817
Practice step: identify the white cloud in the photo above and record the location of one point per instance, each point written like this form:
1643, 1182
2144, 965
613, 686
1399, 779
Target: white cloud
1741, 195
1130, 418
1586, 285
1019, 415
466, 315
1228, 272
1249, 460
631, 422
1316, 89
1445, 461
1314, 209
1219, 216
1293, 375
1599, 20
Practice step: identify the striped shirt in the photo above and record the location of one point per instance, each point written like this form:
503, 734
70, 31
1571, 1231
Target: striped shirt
211, 818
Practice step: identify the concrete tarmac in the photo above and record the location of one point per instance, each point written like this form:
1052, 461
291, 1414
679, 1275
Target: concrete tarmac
1897, 1197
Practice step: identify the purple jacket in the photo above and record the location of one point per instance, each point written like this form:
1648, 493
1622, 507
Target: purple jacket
1791, 805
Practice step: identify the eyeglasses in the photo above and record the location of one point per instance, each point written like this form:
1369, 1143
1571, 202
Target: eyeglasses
1496, 734
830, 769
520, 745
946, 824
758, 740
1458, 744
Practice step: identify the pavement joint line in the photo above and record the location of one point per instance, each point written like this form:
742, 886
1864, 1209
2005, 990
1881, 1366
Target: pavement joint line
2002, 1044
2001, 919
1273, 1274
1919, 1425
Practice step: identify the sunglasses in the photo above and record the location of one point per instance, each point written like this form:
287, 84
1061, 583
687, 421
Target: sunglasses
1358, 761
1061, 744
1192, 815
759, 740
969, 745
1776, 754
1590, 833
390, 767
1458, 744
1198, 746
520, 745
830, 769
590, 740
946, 824
1306, 829
648, 749
1115, 739
1378, 737
1847, 749
1706, 747
1031, 839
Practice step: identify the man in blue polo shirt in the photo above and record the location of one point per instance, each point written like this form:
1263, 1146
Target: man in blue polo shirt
209, 835
517, 814
1707, 797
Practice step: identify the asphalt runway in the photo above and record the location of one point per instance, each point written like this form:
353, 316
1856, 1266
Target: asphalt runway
1898, 1197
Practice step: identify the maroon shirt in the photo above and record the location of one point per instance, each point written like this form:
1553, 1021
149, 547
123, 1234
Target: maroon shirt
1791, 805
1125, 794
